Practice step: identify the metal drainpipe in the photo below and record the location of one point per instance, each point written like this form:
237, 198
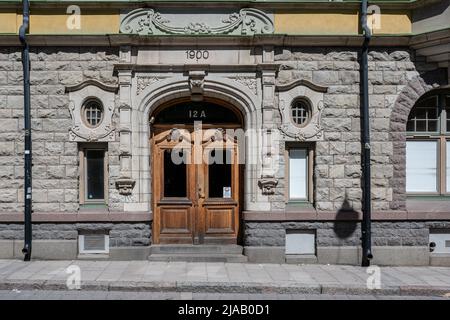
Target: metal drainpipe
367, 205
27, 119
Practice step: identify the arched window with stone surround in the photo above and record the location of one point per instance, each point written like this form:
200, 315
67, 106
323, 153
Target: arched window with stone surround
428, 146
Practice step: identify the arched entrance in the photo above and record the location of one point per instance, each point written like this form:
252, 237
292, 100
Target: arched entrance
196, 172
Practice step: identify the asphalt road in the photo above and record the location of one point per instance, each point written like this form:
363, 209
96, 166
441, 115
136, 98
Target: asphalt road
123, 295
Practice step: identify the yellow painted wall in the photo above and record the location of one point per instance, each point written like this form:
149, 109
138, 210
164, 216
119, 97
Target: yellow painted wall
307, 23
8, 22
92, 22
317, 23
332, 23
394, 23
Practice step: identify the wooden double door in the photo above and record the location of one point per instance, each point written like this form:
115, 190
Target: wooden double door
196, 189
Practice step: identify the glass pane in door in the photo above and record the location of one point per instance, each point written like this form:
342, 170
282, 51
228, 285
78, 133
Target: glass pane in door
175, 171
219, 173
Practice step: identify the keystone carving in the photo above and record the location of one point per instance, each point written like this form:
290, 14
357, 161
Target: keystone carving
196, 84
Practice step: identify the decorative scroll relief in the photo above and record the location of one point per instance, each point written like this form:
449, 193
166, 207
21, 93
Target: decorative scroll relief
78, 95
144, 82
250, 83
147, 21
312, 130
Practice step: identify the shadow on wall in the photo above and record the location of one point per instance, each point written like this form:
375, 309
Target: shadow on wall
346, 221
344, 227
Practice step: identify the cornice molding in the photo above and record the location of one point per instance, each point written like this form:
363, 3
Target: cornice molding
218, 40
408, 40
286, 4
92, 82
298, 82
186, 67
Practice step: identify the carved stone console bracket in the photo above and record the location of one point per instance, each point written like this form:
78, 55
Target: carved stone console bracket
307, 91
125, 186
196, 84
146, 21
267, 185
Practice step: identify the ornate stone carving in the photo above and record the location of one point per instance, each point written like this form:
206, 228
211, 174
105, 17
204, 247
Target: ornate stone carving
250, 83
144, 82
313, 95
78, 95
145, 21
313, 130
268, 185
125, 186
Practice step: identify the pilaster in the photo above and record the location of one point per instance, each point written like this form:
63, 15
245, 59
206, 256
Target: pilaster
125, 183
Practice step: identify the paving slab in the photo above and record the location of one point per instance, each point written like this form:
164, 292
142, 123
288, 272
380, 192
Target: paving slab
185, 280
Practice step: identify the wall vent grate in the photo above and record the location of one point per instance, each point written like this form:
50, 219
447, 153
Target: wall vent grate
440, 238
93, 243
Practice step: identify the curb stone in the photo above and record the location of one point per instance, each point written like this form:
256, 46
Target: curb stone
226, 287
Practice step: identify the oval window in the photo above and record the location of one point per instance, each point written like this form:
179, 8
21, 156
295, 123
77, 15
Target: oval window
300, 112
92, 113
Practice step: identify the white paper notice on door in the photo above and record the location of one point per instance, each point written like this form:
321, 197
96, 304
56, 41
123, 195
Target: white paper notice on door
227, 192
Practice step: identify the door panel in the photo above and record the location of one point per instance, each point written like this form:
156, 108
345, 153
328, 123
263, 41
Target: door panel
220, 207
219, 220
176, 220
175, 224
172, 178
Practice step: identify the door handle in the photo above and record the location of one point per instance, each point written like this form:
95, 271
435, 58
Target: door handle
201, 194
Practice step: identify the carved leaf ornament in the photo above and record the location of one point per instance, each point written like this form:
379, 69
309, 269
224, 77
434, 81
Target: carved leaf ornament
146, 21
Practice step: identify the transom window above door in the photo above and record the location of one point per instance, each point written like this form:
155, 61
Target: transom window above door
428, 146
189, 111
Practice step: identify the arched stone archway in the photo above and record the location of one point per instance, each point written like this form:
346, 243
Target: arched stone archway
162, 92
415, 88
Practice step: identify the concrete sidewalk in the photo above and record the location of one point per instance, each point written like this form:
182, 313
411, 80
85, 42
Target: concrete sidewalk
223, 277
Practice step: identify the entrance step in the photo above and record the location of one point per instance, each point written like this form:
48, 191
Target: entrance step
195, 257
197, 253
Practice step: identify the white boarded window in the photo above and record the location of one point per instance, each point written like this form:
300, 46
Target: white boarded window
298, 174
448, 166
421, 166
301, 242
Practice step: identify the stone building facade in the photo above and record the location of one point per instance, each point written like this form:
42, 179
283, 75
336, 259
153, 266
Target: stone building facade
260, 64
